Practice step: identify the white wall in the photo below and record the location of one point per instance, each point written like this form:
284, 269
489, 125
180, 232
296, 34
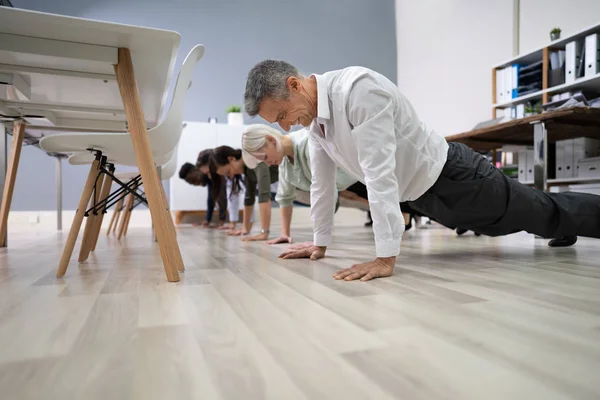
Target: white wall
535, 25
446, 50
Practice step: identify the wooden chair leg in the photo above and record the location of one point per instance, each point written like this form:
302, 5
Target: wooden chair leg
120, 212
84, 251
128, 219
124, 214
127, 222
103, 195
11, 176
78, 219
167, 242
115, 216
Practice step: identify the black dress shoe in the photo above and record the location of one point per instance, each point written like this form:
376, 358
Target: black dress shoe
370, 220
460, 231
564, 241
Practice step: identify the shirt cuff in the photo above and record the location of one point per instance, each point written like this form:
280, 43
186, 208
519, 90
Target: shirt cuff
285, 203
387, 248
322, 239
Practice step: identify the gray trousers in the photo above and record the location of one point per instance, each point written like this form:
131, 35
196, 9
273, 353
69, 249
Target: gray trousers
473, 194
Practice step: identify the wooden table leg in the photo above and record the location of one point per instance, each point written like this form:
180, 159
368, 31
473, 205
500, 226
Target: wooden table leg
78, 219
169, 249
11, 176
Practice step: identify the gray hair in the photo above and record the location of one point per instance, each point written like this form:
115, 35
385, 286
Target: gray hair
267, 79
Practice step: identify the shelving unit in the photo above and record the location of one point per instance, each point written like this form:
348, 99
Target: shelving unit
572, 180
543, 54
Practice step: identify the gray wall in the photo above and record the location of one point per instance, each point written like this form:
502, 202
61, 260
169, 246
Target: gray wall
315, 35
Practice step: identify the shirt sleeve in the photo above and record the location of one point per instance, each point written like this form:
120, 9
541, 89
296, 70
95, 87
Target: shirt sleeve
233, 203
250, 184
323, 193
286, 192
263, 176
370, 111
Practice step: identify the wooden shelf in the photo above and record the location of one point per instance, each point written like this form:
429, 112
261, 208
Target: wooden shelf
590, 83
566, 181
521, 99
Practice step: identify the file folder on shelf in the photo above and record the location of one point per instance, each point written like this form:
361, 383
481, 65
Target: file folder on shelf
508, 85
572, 59
515, 81
592, 55
499, 86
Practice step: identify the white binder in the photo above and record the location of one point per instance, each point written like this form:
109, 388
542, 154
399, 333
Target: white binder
499, 86
560, 159
569, 165
572, 58
584, 148
508, 86
522, 157
592, 55
529, 165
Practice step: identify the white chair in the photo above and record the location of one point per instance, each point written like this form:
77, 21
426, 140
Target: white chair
117, 149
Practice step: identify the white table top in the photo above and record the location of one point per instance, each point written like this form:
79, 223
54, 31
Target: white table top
63, 69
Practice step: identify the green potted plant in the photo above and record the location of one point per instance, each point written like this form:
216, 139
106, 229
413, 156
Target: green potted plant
555, 34
529, 110
235, 116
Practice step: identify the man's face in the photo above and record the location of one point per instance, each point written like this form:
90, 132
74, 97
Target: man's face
295, 110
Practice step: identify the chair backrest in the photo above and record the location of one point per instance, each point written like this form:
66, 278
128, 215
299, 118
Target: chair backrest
168, 169
165, 136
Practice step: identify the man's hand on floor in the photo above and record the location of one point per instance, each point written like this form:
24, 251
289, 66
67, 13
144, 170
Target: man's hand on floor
380, 268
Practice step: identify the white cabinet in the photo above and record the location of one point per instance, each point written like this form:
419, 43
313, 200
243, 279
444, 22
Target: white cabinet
197, 136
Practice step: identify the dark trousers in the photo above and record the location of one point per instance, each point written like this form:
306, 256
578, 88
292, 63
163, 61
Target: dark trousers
360, 190
210, 205
473, 194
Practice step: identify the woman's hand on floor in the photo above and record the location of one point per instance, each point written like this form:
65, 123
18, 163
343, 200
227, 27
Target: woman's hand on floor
227, 227
255, 238
312, 252
280, 239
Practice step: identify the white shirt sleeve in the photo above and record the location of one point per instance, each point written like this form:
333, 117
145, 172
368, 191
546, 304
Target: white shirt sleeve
322, 193
370, 111
233, 203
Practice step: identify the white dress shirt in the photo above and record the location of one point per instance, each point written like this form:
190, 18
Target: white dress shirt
372, 131
297, 174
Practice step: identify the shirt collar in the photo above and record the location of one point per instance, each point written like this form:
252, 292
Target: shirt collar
322, 98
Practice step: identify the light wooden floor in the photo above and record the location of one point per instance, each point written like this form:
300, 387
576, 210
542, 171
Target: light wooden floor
463, 318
